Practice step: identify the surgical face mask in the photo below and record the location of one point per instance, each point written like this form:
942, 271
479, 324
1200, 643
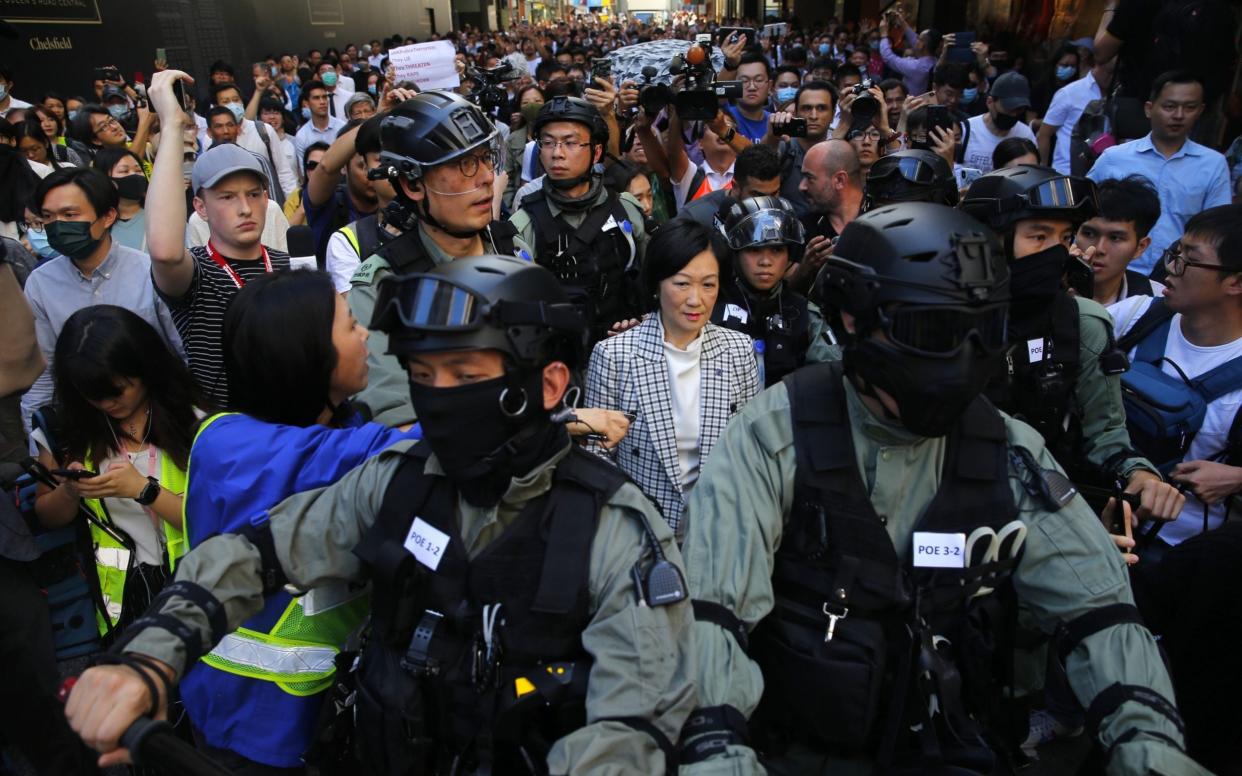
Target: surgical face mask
1003, 121
118, 112
72, 238
372, 90
824, 48
329, 79
1066, 72
38, 241
4, 91
73, 114
238, 110
275, 71
306, 114
969, 95
786, 94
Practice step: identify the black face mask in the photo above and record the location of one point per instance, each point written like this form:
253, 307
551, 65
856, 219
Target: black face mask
1003, 121
931, 393
486, 433
131, 186
1034, 280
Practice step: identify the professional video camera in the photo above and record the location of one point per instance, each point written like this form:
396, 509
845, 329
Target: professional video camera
488, 94
700, 97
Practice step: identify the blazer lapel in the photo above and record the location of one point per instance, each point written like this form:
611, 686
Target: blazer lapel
714, 391
651, 377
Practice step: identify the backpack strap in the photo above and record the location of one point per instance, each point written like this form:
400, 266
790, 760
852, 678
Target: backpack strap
503, 234
1157, 320
1138, 284
1219, 381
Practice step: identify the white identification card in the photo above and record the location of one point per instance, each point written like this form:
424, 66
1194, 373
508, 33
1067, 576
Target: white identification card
736, 313
1035, 350
303, 262
426, 543
939, 550
610, 224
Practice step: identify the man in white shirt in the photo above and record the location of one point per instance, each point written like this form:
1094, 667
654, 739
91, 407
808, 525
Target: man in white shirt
7, 101
262, 141
340, 88
692, 181
1204, 290
322, 127
271, 113
1008, 102
1063, 114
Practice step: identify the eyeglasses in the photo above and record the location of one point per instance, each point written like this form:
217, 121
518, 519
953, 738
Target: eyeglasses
104, 124
758, 80
570, 146
868, 134
1176, 263
469, 165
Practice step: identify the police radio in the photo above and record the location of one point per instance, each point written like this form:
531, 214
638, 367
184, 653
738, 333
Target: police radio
663, 583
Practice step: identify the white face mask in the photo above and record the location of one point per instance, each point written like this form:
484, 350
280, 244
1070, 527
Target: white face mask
238, 110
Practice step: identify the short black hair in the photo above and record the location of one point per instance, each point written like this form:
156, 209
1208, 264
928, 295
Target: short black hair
757, 162
96, 186
220, 66
794, 54
271, 103
933, 40
80, 127
951, 74
847, 70
1174, 77
8, 129
6, 72
788, 69
752, 57
1221, 226
1011, 148
817, 86
673, 246
309, 87
320, 146
219, 110
618, 176
893, 83
217, 88
1131, 199
107, 158
278, 351
822, 63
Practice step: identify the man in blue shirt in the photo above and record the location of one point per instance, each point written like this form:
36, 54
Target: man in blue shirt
755, 73
1189, 177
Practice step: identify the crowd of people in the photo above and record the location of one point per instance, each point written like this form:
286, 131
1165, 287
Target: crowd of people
842, 397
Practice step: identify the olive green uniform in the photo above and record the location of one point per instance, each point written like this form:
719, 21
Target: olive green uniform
643, 658
738, 510
526, 225
387, 395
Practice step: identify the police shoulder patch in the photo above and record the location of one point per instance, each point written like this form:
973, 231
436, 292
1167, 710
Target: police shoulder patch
367, 271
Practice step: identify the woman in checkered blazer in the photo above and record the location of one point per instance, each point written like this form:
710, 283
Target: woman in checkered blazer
679, 377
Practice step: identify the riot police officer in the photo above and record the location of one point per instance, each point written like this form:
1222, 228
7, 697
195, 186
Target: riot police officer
529, 612
438, 152
1062, 371
765, 237
914, 175
858, 538
592, 239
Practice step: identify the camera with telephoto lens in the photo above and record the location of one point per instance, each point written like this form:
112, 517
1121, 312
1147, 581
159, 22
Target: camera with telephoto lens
699, 99
653, 97
865, 105
488, 94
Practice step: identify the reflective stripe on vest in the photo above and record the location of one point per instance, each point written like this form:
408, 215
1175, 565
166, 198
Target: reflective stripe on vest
298, 651
705, 188
348, 231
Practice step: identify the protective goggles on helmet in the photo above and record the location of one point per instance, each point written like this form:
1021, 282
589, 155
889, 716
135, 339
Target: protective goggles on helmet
433, 304
766, 227
939, 331
916, 171
1058, 194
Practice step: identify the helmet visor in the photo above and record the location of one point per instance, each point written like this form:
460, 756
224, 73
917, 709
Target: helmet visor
913, 170
766, 227
943, 331
1066, 193
427, 303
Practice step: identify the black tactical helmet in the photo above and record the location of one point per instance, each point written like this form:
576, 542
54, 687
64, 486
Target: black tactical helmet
916, 175
1002, 198
936, 283
482, 303
428, 129
573, 109
758, 221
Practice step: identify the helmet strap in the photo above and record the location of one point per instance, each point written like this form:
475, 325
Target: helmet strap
430, 220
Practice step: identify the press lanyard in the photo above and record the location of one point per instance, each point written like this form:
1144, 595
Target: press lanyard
232, 273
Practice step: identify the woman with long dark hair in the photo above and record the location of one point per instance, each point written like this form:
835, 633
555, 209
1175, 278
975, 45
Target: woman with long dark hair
127, 410
293, 355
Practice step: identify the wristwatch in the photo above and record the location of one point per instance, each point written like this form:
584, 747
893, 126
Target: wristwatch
728, 136
150, 493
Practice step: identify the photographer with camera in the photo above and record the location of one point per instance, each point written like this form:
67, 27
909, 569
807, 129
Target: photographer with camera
750, 112
864, 123
794, 133
916, 70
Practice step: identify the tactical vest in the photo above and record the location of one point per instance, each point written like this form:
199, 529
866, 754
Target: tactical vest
598, 267
860, 639
365, 235
477, 663
406, 253
1042, 373
782, 322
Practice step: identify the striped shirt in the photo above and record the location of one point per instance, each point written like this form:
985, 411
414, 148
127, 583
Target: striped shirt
199, 316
